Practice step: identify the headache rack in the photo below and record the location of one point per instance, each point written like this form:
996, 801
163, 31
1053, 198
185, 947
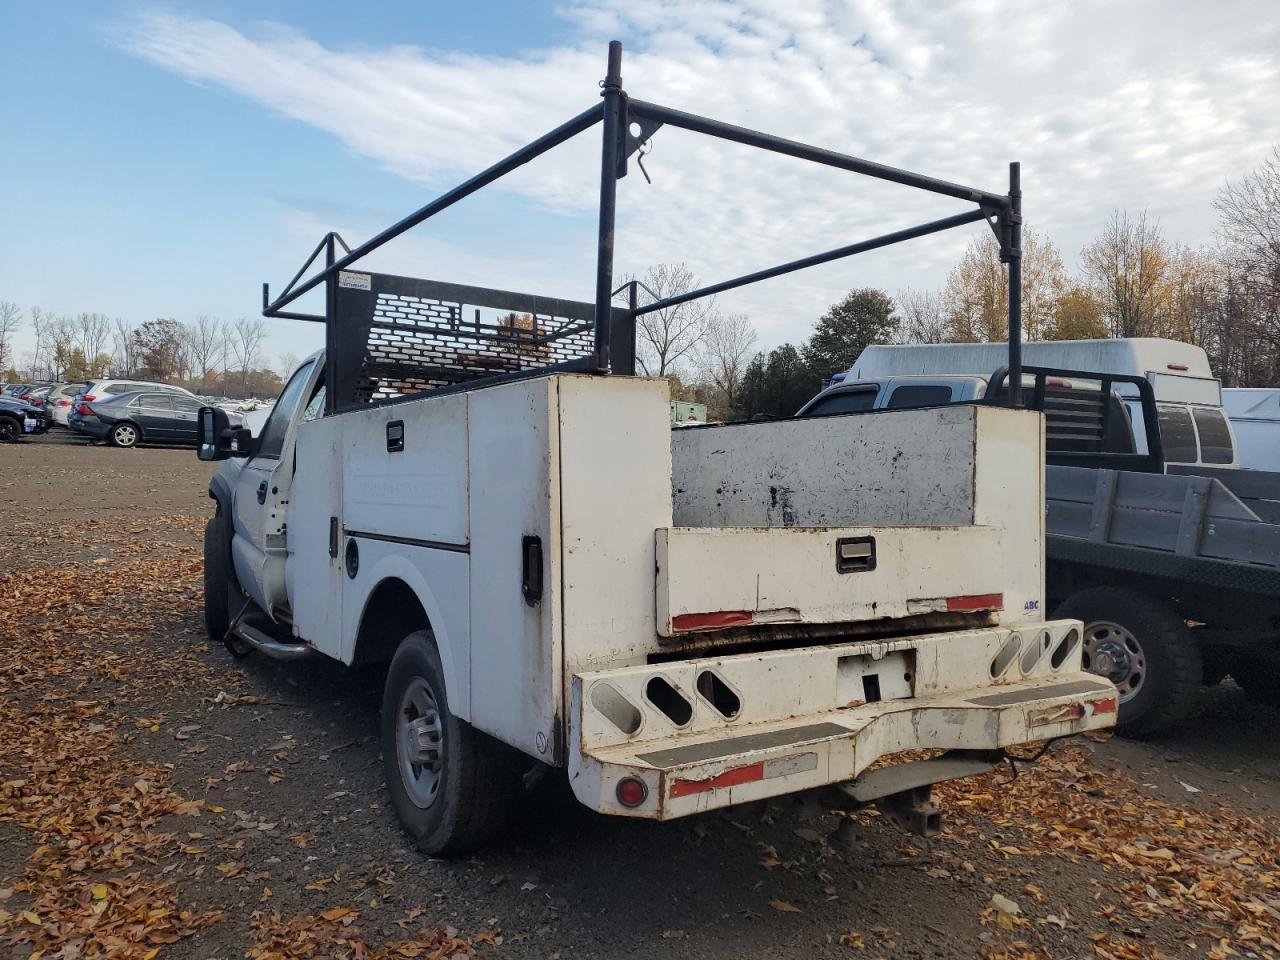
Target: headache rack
388, 337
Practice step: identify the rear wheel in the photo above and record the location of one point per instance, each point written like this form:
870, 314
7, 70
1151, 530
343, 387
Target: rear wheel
452, 787
124, 435
1144, 648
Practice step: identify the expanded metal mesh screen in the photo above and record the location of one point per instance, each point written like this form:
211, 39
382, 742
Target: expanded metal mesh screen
408, 341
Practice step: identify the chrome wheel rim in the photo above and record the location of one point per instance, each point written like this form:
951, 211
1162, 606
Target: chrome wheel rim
126, 436
1113, 652
420, 742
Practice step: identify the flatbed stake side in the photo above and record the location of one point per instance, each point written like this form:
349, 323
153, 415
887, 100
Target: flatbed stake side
471, 486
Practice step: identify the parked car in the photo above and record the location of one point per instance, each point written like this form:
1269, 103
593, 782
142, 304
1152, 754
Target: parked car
60, 401
103, 390
154, 416
18, 417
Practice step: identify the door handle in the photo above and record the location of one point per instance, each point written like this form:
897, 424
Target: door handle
262, 492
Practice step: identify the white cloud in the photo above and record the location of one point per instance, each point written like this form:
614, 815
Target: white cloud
1144, 104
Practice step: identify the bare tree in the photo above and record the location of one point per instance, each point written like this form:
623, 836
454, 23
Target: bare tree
10, 321
922, 316
1250, 231
246, 344
40, 327
123, 345
666, 337
287, 363
723, 355
91, 333
204, 339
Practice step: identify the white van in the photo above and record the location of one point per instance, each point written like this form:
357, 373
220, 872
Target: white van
1193, 426
1255, 419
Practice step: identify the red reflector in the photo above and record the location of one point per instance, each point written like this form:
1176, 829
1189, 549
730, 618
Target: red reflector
710, 621
730, 778
1104, 706
631, 792
1177, 366
977, 601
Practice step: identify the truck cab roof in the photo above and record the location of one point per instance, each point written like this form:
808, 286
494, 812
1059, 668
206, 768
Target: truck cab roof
1177, 371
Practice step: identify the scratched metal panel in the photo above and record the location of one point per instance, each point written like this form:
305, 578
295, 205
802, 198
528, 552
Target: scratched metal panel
890, 468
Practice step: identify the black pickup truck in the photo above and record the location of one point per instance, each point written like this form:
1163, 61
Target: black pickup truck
1175, 570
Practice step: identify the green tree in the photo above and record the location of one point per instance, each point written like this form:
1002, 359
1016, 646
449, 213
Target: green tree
862, 318
776, 384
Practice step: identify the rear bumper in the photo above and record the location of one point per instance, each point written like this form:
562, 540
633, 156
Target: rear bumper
950, 701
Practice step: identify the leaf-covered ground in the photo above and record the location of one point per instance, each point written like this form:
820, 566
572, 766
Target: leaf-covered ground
159, 800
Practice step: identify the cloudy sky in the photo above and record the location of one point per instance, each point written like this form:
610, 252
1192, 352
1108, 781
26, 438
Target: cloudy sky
164, 160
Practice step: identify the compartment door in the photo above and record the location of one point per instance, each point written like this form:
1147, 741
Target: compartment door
314, 568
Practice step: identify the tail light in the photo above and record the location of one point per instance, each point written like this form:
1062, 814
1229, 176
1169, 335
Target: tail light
88, 397
632, 792
85, 410
64, 403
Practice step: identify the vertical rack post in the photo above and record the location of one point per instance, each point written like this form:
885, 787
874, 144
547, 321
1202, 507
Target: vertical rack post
612, 134
1013, 253
330, 329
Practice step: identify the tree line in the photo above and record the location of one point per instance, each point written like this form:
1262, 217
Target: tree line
1132, 281
206, 355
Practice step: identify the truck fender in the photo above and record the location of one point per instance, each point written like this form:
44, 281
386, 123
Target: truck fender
220, 491
451, 643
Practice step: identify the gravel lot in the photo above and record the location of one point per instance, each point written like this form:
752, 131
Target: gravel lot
159, 799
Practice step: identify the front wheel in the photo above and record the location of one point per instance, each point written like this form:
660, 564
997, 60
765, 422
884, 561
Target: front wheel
1144, 648
1259, 676
10, 430
124, 435
452, 787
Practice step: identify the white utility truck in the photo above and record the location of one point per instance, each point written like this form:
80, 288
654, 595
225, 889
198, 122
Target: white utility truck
470, 486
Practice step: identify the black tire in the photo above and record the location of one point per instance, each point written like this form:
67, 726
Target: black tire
1170, 682
124, 435
220, 585
477, 778
1259, 676
10, 429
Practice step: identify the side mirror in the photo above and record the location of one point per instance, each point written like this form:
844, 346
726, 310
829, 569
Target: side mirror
217, 439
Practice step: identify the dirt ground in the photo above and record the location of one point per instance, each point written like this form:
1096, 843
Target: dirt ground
158, 799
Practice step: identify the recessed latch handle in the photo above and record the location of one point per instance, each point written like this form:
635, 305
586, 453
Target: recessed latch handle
531, 570
855, 554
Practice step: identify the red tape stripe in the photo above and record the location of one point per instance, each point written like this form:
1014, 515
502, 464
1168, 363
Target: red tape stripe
730, 778
710, 621
977, 601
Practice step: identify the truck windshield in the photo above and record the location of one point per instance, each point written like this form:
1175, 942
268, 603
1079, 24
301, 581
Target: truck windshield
271, 443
